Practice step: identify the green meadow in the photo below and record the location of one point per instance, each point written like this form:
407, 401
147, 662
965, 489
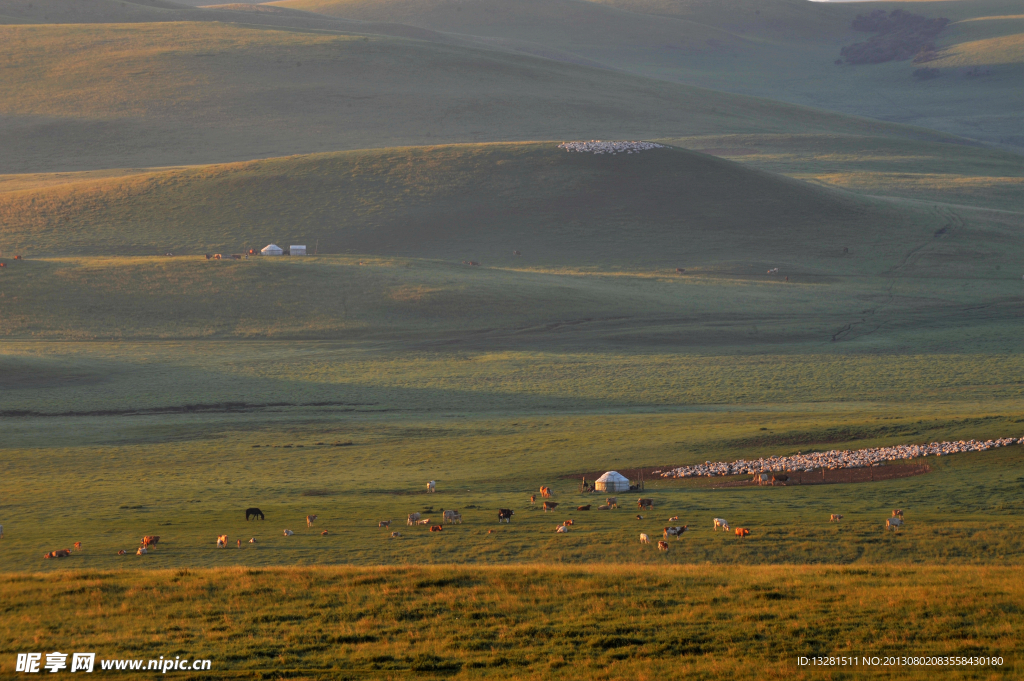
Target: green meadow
482, 309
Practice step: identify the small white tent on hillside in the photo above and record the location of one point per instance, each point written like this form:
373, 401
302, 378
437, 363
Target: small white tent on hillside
272, 249
611, 482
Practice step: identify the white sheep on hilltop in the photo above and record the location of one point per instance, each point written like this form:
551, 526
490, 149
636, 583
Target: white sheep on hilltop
604, 147
835, 459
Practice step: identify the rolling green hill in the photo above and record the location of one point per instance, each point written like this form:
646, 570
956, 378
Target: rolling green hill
82, 97
476, 202
601, 237
783, 50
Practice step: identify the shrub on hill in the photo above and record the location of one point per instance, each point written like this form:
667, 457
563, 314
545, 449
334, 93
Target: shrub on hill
901, 36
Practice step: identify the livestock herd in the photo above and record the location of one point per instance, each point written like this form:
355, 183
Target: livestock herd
760, 469
835, 459
605, 147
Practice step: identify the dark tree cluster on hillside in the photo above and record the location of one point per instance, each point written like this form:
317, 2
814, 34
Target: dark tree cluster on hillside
901, 36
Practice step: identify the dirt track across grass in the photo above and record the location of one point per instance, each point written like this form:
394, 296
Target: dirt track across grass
838, 476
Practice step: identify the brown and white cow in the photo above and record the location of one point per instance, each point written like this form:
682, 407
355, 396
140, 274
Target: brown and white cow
149, 540
663, 546
222, 541
835, 518
310, 519
645, 503
545, 492
436, 528
612, 501
742, 532
550, 506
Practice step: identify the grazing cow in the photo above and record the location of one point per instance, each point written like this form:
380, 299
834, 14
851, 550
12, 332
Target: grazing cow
425, 521
324, 533
583, 508
430, 486
893, 523
612, 501
436, 528
645, 503
222, 541
451, 517
644, 539
395, 535
721, 522
413, 517
142, 551
550, 506
545, 492
676, 532
835, 518
663, 546
310, 519
254, 512
781, 479
252, 540
897, 513
78, 546
288, 533
385, 523
562, 529
149, 540
506, 515
533, 499
742, 532
605, 507
122, 552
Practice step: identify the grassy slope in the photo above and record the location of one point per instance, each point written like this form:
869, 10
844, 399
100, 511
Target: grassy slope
601, 237
537, 623
474, 202
783, 50
206, 92
976, 176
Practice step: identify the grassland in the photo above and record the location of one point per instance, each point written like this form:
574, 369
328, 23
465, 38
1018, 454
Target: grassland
205, 92
922, 171
782, 49
145, 394
528, 623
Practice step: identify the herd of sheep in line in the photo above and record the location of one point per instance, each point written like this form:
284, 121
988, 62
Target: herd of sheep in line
835, 459
605, 147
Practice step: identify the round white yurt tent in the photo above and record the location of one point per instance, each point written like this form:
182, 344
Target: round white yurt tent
272, 249
612, 482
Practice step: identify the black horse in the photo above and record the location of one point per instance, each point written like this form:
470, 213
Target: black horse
254, 512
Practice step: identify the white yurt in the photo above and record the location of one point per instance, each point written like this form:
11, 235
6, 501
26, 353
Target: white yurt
612, 482
272, 249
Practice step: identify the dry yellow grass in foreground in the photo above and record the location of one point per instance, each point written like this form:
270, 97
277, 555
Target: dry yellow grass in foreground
536, 622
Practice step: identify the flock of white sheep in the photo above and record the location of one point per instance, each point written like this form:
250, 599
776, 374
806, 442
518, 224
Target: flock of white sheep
835, 459
604, 147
